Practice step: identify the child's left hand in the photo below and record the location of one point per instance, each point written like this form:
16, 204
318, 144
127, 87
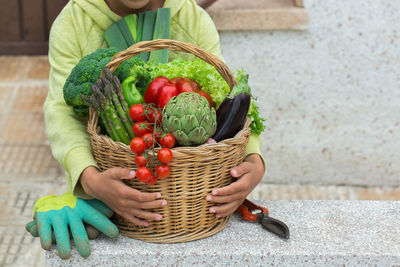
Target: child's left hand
249, 173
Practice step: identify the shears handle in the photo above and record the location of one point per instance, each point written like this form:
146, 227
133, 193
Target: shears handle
245, 210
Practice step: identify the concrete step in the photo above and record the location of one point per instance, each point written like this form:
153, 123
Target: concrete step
237, 15
265, 191
323, 233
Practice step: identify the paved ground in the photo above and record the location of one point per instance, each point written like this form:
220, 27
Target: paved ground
28, 170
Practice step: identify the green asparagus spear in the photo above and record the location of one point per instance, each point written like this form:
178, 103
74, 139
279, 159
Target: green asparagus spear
117, 85
100, 85
109, 127
111, 114
118, 107
125, 106
108, 74
92, 101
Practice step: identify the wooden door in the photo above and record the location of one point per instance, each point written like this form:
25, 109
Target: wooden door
25, 25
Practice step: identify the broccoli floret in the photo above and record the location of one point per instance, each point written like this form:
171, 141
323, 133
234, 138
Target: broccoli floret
143, 79
130, 67
87, 71
141, 73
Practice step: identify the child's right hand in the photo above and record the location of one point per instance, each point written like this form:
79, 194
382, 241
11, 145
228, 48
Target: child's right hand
130, 203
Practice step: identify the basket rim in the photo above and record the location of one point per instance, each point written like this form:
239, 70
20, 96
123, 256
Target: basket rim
94, 131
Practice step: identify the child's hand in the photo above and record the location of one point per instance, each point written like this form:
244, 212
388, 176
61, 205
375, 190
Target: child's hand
130, 203
249, 173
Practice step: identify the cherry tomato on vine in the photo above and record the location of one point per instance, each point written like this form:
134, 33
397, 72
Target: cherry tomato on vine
164, 155
163, 171
148, 139
141, 127
152, 180
167, 141
152, 116
136, 112
140, 161
143, 174
157, 133
137, 145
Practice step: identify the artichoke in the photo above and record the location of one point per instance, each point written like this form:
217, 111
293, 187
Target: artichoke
189, 118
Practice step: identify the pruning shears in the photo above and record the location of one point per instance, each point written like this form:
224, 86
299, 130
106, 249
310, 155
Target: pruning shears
251, 212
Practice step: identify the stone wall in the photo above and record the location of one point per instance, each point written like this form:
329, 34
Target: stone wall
331, 93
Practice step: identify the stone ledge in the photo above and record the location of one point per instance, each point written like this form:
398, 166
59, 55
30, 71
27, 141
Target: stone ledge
237, 15
329, 233
267, 191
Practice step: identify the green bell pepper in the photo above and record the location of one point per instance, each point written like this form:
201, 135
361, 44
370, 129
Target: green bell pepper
130, 92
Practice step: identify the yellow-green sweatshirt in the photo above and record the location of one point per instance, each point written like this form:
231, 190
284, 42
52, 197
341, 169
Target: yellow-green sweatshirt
78, 31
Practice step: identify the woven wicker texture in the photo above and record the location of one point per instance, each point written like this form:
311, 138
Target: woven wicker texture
195, 171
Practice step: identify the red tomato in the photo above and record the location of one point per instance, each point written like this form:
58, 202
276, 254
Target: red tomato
140, 161
164, 155
195, 85
167, 92
143, 174
175, 80
167, 141
163, 171
153, 90
152, 116
148, 139
184, 85
152, 180
207, 96
136, 112
137, 145
157, 133
187, 85
141, 127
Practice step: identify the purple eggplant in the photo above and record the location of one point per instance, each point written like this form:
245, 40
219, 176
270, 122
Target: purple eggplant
231, 116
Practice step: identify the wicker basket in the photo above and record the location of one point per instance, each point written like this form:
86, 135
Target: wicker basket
195, 171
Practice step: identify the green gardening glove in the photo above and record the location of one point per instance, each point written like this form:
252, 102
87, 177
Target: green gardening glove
92, 232
67, 211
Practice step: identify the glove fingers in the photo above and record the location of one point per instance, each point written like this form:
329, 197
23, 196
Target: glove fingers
32, 228
79, 234
97, 220
53, 237
100, 206
44, 229
62, 236
91, 231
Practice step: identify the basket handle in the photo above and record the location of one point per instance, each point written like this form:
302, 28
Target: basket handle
173, 45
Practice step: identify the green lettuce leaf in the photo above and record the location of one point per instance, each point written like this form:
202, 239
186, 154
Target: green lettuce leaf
211, 82
203, 73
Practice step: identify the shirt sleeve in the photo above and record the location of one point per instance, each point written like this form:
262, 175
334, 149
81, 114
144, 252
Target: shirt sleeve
69, 140
208, 37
